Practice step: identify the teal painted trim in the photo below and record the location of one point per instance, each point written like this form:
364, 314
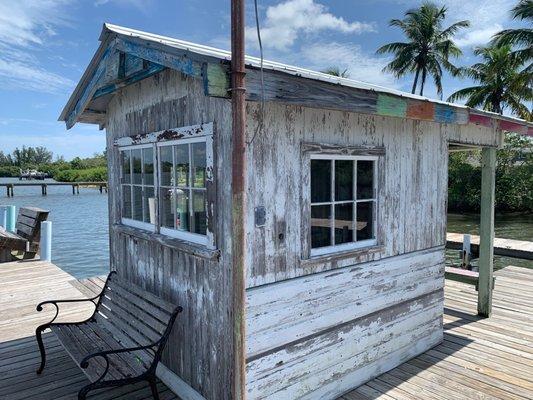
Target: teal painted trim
391, 106
444, 113
136, 77
89, 90
180, 63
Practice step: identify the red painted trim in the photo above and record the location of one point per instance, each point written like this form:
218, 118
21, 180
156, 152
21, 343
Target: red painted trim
480, 120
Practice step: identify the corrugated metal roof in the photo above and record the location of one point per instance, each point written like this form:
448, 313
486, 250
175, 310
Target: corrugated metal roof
110, 30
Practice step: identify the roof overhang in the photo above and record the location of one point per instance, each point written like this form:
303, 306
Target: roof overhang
126, 56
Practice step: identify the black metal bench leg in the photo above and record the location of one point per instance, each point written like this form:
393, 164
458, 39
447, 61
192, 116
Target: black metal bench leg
153, 386
38, 336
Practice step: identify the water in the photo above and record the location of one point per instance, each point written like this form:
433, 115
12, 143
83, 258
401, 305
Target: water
80, 237
80, 243
519, 227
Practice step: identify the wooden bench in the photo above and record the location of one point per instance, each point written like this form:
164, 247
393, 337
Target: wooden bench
464, 275
122, 342
24, 244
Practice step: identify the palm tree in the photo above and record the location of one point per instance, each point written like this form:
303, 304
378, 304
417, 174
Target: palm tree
502, 82
428, 48
336, 71
522, 37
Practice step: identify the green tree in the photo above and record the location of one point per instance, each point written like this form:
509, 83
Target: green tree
520, 37
336, 71
428, 48
502, 82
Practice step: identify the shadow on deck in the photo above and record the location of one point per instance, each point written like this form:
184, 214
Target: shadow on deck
478, 359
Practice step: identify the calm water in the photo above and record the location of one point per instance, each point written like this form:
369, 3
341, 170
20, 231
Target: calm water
80, 243
519, 227
80, 229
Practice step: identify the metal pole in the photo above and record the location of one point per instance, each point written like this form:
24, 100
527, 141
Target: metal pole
3, 216
46, 241
238, 193
11, 218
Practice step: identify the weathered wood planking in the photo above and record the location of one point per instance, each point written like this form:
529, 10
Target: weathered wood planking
199, 352
291, 310
412, 195
329, 364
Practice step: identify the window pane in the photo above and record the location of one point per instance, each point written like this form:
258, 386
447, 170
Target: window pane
343, 223
365, 180
126, 167
149, 205
320, 226
126, 201
365, 218
166, 205
181, 153
182, 210
198, 212
137, 203
343, 180
137, 166
320, 181
198, 164
148, 165
165, 165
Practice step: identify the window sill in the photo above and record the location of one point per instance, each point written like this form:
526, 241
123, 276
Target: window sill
194, 249
343, 255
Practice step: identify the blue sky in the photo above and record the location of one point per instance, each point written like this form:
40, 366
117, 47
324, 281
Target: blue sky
45, 46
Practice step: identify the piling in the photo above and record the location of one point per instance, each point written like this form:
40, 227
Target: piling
46, 241
3, 216
11, 217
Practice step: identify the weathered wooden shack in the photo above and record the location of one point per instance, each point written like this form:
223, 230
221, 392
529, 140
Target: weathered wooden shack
345, 224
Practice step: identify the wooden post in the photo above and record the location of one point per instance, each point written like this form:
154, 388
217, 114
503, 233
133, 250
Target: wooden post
45, 247
486, 231
3, 216
11, 218
73, 190
238, 196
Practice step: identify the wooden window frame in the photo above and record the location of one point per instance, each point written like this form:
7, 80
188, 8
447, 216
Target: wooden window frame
315, 151
156, 140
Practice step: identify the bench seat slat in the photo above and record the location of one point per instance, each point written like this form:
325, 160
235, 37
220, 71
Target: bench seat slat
138, 310
128, 322
147, 308
147, 296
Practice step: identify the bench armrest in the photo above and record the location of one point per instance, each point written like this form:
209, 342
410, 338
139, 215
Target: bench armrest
39, 307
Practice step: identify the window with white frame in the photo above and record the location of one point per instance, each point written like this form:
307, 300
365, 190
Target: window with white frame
164, 186
343, 202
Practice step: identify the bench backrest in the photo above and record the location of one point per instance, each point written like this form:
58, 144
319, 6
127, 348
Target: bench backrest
29, 225
134, 316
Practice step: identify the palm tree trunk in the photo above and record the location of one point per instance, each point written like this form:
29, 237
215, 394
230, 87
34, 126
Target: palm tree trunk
423, 82
413, 90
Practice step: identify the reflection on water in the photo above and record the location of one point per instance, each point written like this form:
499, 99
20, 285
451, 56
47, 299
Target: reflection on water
519, 227
80, 243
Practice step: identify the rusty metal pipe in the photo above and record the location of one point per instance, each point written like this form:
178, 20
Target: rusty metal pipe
238, 193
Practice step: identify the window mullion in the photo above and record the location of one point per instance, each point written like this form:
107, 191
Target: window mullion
131, 184
190, 205
354, 211
156, 188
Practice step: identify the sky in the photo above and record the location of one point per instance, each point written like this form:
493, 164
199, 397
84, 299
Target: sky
45, 45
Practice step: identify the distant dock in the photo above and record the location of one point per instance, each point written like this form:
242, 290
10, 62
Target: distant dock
502, 247
10, 192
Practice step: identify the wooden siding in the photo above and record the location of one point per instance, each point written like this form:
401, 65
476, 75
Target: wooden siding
412, 195
200, 348
320, 335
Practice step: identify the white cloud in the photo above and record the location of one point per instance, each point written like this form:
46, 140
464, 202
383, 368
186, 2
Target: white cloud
139, 4
286, 21
360, 65
26, 25
478, 37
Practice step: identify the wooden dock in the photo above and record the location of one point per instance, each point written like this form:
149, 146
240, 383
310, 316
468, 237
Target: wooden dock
10, 187
502, 247
479, 358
